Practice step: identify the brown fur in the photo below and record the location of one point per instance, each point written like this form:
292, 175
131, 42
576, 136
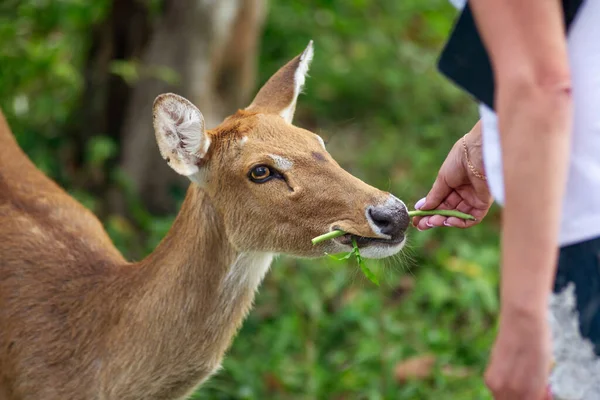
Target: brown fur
77, 321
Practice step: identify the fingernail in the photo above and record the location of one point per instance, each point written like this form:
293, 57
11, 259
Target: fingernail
420, 203
428, 224
446, 223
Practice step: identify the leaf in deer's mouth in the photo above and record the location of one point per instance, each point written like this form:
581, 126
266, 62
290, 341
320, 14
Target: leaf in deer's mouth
359, 260
355, 251
355, 241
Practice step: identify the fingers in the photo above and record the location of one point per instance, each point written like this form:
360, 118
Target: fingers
424, 223
459, 222
521, 395
449, 203
507, 382
452, 202
438, 193
433, 221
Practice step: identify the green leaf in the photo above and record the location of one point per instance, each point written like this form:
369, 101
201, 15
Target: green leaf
128, 70
100, 149
341, 258
361, 263
368, 273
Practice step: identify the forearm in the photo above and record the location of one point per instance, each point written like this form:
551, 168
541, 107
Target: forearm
527, 45
535, 146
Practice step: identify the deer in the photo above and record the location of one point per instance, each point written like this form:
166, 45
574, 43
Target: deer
79, 321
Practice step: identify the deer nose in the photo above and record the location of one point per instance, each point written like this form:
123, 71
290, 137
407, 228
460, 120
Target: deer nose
390, 218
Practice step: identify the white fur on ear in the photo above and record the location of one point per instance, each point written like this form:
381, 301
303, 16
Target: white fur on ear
180, 134
299, 78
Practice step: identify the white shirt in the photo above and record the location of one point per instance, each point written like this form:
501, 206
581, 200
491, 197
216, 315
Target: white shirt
580, 218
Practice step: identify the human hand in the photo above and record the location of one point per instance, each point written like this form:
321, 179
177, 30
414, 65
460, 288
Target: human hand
521, 357
457, 188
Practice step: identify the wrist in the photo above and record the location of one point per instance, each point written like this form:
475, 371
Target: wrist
475, 139
518, 302
519, 316
472, 153
529, 257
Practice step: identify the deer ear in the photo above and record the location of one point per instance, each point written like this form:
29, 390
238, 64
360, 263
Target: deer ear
279, 94
180, 134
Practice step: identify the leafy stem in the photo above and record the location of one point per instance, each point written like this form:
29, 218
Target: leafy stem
356, 251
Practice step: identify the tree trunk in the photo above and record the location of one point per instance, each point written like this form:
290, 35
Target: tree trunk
122, 36
212, 46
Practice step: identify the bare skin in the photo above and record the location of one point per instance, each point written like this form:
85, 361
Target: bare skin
526, 41
457, 188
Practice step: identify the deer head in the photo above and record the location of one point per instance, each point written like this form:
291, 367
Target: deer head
274, 184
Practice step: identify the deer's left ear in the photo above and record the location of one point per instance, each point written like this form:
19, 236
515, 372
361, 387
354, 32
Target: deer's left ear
180, 134
279, 94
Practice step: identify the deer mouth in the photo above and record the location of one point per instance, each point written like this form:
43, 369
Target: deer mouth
364, 241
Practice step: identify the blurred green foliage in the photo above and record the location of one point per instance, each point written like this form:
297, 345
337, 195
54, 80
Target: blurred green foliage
319, 329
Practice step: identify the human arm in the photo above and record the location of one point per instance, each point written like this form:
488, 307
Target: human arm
527, 46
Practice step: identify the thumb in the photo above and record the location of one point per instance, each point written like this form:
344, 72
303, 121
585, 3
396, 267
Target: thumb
439, 191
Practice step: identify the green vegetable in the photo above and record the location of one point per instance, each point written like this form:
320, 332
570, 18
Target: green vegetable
446, 213
356, 251
416, 213
328, 236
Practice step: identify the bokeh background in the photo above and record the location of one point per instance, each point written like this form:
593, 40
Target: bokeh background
77, 79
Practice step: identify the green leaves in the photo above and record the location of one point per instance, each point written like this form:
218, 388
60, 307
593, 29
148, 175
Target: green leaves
341, 258
361, 263
132, 71
99, 149
354, 253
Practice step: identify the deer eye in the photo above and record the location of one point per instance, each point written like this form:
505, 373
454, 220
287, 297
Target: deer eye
260, 174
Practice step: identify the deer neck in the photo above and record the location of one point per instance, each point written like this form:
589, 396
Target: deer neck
195, 290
